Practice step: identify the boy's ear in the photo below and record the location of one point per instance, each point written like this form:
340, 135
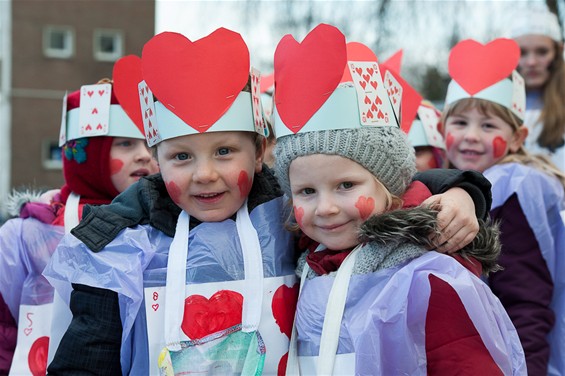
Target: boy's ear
260, 154
518, 138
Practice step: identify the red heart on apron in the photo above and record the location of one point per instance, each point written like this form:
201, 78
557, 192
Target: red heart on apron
37, 357
307, 73
284, 306
126, 76
475, 66
197, 81
206, 316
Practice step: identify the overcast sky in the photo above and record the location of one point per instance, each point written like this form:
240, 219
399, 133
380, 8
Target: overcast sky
420, 28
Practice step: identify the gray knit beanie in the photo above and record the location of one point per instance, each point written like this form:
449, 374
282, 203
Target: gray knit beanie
383, 150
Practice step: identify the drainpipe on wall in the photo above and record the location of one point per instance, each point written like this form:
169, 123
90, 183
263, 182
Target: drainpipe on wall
5, 102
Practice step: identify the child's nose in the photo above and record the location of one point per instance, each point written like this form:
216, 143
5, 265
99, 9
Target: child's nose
472, 134
327, 205
205, 172
143, 153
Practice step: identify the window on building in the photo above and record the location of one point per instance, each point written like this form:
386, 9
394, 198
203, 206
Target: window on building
58, 42
108, 45
51, 157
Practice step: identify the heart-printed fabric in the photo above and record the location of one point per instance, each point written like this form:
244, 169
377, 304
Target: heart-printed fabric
197, 81
475, 66
307, 73
127, 75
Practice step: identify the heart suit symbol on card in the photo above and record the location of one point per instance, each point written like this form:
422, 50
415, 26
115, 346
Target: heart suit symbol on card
475, 66
206, 316
307, 73
127, 76
197, 81
357, 52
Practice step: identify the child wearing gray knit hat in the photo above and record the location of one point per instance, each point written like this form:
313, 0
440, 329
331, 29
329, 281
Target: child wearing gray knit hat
372, 299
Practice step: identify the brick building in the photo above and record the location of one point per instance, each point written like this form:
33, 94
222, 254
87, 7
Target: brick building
57, 46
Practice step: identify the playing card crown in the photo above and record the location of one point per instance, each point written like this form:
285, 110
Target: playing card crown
93, 111
487, 71
199, 86
308, 93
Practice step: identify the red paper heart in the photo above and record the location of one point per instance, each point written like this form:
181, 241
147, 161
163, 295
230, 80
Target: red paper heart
206, 316
197, 81
307, 73
127, 75
284, 306
357, 52
475, 66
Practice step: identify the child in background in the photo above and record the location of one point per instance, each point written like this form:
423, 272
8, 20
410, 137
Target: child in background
96, 169
542, 65
484, 131
210, 158
425, 138
373, 300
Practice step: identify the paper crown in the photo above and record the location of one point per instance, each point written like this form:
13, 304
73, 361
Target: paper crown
424, 130
186, 87
323, 84
537, 21
487, 72
92, 111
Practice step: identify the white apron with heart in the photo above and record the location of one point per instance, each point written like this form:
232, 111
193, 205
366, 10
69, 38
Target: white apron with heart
41, 327
227, 327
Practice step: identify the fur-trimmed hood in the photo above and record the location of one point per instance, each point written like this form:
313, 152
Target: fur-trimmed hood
18, 199
413, 226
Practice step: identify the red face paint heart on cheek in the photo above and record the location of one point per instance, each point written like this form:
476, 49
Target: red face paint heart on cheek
244, 182
499, 147
365, 205
116, 166
449, 141
298, 214
174, 191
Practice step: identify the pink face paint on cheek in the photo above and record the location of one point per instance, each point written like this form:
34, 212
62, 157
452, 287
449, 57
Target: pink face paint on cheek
498, 147
116, 166
448, 141
432, 163
244, 182
365, 205
174, 191
298, 214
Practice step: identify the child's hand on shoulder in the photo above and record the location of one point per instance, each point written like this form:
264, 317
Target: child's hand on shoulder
457, 221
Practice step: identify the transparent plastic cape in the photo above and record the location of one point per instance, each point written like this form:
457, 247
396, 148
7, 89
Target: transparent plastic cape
26, 245
137, 258
385, 315
541, 199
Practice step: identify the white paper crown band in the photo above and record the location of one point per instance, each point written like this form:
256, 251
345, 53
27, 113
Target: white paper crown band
239, 117
120, 125
507, 93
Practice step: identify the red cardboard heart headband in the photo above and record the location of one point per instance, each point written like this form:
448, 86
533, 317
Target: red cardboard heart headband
197, 81
126, 76
307, 73
475, 66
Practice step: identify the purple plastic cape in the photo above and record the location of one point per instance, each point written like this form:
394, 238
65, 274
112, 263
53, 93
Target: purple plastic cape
137, 259
383, 326
541, 199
